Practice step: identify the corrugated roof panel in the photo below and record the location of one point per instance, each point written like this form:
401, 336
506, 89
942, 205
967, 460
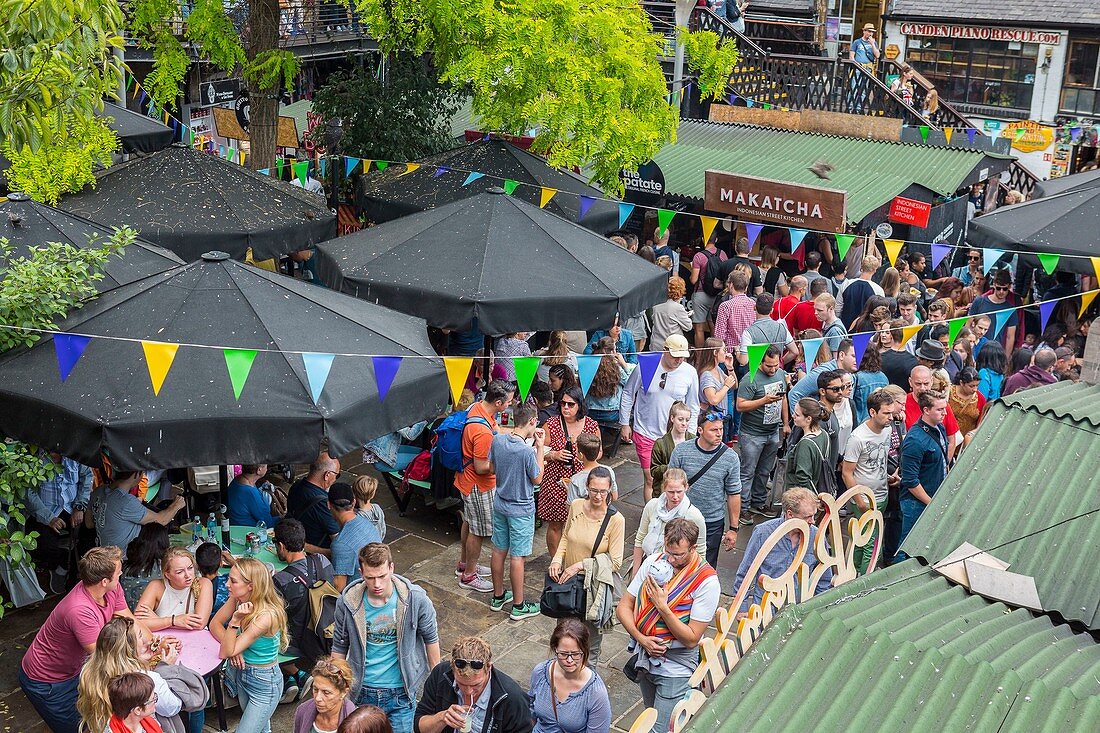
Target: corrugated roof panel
871, 171
866, 656
1025, 491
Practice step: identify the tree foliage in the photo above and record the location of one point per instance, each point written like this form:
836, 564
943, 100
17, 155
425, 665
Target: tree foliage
36, 289
583, 74
710, 59
404, 118
66, 165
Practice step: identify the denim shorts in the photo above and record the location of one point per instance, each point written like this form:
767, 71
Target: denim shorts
514, 535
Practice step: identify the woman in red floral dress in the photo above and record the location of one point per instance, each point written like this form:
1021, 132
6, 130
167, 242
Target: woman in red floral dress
562, 461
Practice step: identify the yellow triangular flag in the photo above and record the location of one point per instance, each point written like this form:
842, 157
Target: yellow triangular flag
1086, 301
893, 247
158, 357
547, 194
1096, 266
366, 165
910, 331
409, 168
458, 369
709, 222
242, 157
947, 132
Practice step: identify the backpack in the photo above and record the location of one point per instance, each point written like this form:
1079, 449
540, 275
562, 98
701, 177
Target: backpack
712, 272
419, 469
448, 444
827, 483
321, 597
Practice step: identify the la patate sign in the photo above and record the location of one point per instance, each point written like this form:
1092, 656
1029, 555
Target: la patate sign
776, 202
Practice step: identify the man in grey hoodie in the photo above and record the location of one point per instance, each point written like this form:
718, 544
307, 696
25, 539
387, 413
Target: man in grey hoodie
386, 630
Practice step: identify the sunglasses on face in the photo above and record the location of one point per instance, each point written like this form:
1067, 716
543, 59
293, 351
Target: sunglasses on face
835, 389
974, 258
1000, 288
568, 404
475, 664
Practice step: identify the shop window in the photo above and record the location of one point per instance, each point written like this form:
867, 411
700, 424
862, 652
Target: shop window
989, 73
1081, 84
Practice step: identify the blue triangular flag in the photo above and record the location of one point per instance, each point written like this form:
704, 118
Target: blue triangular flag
753, 230
317, 369
385, 369
797, 235
264, 171
748, 102
69, 348
990, 257
585, 204
648, 363
324, 166
731, 99
472, 177
350, 164
1000, 318
810, 347
624, 213
440, 170
1045, 311
859, 344
970, 135
586, 370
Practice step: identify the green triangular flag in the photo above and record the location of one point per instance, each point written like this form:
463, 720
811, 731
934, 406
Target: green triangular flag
382, 165
923, 133
1049, 262
239, 363
767, 106
756, 355
279, 168
953, 327
664, 216
1020, 132
510, 186
301, 170
526, 367
844, 243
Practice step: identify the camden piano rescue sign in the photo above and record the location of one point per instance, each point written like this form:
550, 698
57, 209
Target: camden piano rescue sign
776, 202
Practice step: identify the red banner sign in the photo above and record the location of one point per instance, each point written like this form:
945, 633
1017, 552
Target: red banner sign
909, 211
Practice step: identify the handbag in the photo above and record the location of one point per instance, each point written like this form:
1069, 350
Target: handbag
569, 599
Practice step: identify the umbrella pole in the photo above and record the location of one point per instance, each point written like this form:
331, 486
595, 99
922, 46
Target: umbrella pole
488, 374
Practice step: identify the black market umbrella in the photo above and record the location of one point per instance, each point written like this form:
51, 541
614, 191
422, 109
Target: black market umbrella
1076, 182
493, 257
203, 415
392, 193
1063, 224
26, 223
136, 132
191, 202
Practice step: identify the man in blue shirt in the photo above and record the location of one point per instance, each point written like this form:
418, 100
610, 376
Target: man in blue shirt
57, 506
864, 50
356, 532
845, 361
923, 460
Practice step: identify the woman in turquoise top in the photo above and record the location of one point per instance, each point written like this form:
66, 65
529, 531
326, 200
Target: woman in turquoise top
991, 370
252, 629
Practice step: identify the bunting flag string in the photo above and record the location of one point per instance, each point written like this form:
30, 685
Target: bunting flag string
953, 327
409, 168
1049, 263
159, 356
753, 232
546, 195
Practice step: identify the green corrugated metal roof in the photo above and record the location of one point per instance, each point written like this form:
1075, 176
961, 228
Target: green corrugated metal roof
871, 171
1032, 465
904, 649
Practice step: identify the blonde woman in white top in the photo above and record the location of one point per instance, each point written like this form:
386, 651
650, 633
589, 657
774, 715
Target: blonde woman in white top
182, 599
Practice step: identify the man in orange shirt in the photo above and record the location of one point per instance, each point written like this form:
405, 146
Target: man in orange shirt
477, 482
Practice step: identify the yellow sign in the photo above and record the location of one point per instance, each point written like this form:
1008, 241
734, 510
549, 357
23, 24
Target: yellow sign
795, 584
892, 51
1028, 136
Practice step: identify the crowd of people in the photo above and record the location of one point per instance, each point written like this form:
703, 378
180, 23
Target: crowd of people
356, 645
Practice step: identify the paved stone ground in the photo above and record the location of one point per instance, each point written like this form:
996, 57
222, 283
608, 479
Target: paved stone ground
425, 548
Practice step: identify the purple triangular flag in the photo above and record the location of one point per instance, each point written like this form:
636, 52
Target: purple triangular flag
648, 363
385, 369
753, 231
859, 343
939, 251
585, 204
970, 135
440, 170
797, 235
69, 348
731, 99
1045, 311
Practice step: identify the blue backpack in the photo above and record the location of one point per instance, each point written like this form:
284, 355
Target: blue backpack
448, 443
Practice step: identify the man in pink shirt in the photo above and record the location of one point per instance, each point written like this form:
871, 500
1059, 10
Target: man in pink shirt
51, 667
737, 313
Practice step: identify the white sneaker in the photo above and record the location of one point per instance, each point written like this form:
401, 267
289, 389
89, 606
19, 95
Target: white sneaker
477, 583
482, 572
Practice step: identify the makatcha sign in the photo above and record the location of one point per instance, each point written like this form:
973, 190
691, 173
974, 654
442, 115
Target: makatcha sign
776, 202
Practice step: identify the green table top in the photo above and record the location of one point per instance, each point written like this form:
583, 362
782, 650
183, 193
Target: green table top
237, 546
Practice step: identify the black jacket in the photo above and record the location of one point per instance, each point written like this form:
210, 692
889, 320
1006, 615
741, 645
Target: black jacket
508, 706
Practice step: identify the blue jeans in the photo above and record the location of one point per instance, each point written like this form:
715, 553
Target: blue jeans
54, 701
758, 454
662, 693
259, 690
397, 705
911, 509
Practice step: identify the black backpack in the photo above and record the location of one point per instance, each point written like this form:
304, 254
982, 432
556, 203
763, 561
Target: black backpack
320, 597
712, 272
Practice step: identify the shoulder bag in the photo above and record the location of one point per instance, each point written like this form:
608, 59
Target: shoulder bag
569, 599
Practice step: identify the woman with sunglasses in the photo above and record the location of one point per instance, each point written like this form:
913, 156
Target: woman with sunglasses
810, 453
567, 695
578, 540
562, 461
252, 629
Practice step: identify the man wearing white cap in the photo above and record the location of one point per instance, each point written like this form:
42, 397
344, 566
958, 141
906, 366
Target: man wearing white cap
647, 410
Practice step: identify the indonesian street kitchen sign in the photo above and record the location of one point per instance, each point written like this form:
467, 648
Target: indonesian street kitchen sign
981, 33
776, 202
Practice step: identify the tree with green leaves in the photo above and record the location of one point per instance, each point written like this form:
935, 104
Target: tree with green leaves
36, 289
404, 116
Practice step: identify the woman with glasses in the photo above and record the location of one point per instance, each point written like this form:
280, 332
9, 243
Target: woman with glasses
132, 702
810, 453
578, 540
568, 696
562, 461
124, 647
252, 629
